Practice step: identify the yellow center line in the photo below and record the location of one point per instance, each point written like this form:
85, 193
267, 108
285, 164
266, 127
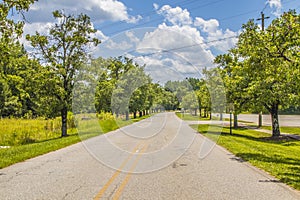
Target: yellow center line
126, 179
116, 174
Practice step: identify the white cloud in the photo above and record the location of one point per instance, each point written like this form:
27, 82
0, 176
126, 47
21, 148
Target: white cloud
42, 28
155, 6
100, 36
98, 10
110, 44
180, 48
207, 26
132, 37
206, 30
222, 40
276, 4
176, 16
217, 38
162, 68
171, 37
184, 42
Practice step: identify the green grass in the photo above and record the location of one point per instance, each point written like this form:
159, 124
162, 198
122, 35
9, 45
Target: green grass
285, 129
189, 117
31, 138
280, 158
23, 131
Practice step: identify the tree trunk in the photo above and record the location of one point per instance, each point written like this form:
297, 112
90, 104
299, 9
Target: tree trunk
221, 116
275, 121
64, 118
260, 119
195, 112
235, 121
140, 114
127, 115
134, 115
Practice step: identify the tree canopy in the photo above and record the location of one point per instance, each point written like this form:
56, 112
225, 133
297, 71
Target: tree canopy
263, 69
64, 50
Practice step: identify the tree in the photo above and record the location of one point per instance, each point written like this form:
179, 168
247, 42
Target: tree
204, 99
18, 73
265, 71
190, 102
214, 91
64, 50
179, 88
113, 69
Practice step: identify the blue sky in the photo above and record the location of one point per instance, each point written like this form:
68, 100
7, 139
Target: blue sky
154, 32
230, 13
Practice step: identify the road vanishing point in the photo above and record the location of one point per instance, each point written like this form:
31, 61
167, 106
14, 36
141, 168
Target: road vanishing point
157, 158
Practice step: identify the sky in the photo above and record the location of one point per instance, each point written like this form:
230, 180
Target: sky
174, 39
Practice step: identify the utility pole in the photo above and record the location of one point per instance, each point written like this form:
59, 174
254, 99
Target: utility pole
263, 21
263, 29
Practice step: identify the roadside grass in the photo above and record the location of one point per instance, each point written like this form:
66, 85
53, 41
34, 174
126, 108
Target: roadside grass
189, 117
24, 131
30, 138
279, 157
285, 129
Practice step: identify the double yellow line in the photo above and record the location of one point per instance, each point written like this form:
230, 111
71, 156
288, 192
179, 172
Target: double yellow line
118, 193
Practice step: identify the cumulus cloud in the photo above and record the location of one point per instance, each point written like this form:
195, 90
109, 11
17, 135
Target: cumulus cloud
173, 53
185, 41
181, 46
120, 45
132, 38
162, 67
176, 16
275, 4
98, 10
210, 25
217, 38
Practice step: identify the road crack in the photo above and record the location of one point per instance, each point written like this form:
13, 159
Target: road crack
72, 192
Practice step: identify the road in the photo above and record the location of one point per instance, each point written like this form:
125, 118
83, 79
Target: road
284, 120
158, 158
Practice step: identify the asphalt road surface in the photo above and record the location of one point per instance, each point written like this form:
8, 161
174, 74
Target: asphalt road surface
158, 158
284, 120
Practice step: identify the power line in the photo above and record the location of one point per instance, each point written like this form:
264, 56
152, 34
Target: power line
187, 46
158, 19
151, 12
238, 15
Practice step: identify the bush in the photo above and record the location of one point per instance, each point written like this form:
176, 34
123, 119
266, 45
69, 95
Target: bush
105, 116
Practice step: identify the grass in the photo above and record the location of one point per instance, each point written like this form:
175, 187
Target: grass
285, 129
31, 138
24, 131
278, 157
189, 117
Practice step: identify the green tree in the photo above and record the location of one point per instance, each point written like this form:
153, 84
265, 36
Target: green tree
179, 88
190, 102
215, 91
17, 71
113, 69
265, 67
64, 50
